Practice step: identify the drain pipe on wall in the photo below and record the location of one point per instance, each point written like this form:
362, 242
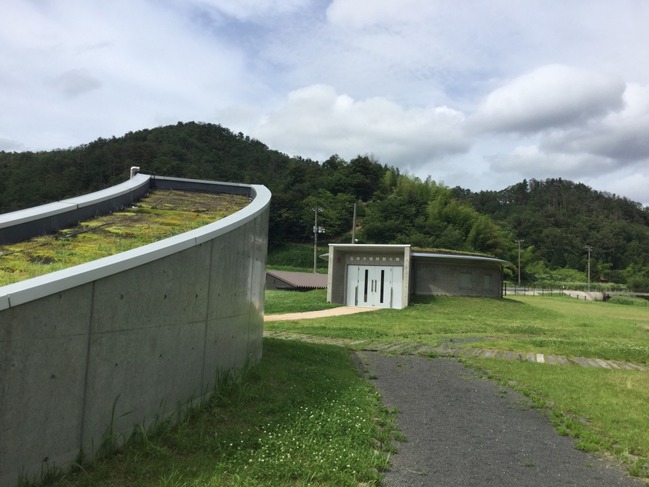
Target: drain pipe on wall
134, 171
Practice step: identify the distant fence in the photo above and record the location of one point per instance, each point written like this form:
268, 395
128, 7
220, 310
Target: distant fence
548, 291
89, 352
532, 290
597, 293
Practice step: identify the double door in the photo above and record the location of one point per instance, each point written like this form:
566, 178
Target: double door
374, 286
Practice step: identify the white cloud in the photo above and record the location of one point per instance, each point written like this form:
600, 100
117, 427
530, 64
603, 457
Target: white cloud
76, 82
360, 13
609, 152
632, 185
480, 96
622, 135
317, 122
246, 10
533, 162
549, 97
136, 65
9, 145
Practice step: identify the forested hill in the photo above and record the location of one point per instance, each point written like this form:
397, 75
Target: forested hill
559, 219
201, 151
183, 150
555, 218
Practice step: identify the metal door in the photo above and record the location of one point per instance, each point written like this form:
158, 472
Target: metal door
374, 286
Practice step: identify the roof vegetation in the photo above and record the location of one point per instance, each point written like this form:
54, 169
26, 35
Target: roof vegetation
159, 215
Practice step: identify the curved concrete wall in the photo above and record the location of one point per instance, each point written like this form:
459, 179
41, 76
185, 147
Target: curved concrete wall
143, 332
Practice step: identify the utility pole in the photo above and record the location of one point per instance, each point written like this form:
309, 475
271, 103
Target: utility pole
316, 231
519, 241
354, 225
589, 249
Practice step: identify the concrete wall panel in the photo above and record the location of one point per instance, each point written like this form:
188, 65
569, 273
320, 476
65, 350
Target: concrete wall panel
457, 279
145, 373
43, 351
164, 292
257, 279
257, 282
230, 290
225, 338
65, 313
46, 395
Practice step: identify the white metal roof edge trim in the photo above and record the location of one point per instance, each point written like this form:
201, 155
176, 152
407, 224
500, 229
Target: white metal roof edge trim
48, 284
202, 181
55, 208
135, 182
29, 214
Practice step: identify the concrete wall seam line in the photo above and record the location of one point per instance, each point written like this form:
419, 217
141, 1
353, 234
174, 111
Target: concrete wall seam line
86, 379
48, 284
206, 318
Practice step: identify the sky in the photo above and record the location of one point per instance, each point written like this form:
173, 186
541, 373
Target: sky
473, 93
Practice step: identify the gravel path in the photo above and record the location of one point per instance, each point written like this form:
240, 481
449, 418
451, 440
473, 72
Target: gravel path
463, 430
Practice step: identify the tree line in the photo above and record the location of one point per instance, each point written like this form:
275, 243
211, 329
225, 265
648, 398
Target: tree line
556, 219
557, 222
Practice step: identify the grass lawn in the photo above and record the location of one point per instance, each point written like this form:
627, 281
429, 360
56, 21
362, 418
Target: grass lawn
549, 325
303, 416
279, 302
606, 410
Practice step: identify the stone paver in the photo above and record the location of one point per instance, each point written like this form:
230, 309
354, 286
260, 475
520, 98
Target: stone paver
409, 348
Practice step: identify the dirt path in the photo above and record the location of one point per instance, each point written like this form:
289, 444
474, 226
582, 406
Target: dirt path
323, 313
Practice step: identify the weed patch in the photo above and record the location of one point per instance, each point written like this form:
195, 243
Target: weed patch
628, 301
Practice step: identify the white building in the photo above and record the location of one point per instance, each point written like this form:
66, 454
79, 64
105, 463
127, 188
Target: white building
385, 276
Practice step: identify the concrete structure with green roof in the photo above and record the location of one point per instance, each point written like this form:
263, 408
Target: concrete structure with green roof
385, 276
